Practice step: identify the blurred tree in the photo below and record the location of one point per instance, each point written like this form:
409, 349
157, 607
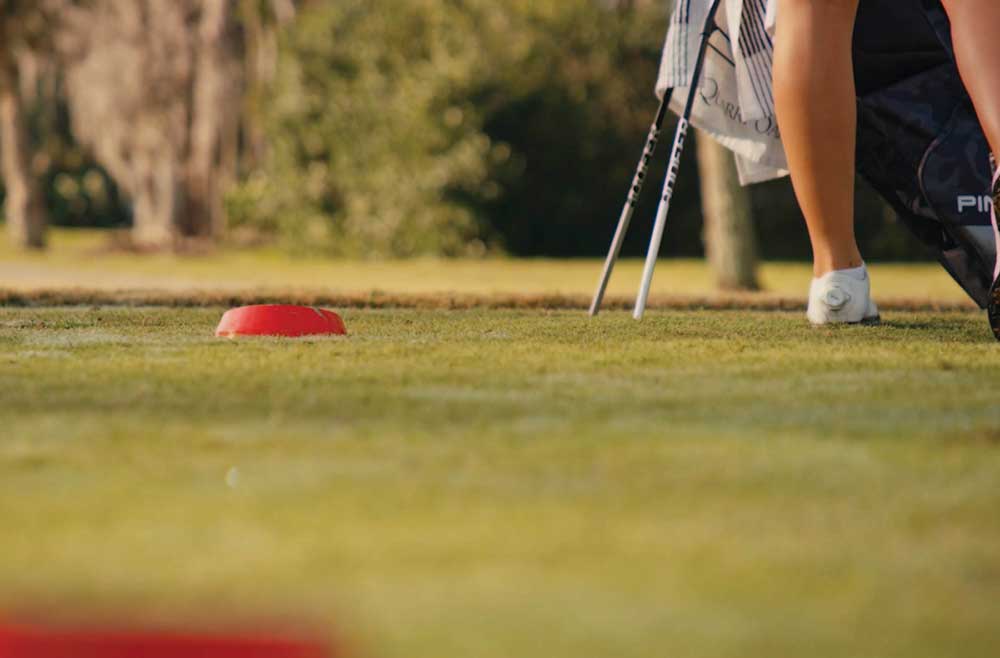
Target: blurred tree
573, 101
373, 132
152, 94
730, 245
261, 22
208, 170
24, 209
381, 127
400, 128
27, 27
65, 185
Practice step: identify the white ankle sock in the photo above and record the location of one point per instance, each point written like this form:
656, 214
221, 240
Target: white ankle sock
858, 273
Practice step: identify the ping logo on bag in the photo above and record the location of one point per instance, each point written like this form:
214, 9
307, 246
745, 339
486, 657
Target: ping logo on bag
977, 202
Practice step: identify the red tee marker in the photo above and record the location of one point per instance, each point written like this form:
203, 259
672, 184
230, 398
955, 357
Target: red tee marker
280, 320
36, 642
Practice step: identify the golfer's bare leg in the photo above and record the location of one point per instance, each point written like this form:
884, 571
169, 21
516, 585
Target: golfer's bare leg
815, 102
975, 27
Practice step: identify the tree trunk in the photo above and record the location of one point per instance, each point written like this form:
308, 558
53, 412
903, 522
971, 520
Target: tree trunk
24, 208
211, 104
730, 246
156, 197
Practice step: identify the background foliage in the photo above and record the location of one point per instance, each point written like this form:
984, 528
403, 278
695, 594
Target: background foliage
444, 127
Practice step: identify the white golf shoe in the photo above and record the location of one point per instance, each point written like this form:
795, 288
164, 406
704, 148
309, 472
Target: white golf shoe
842, 297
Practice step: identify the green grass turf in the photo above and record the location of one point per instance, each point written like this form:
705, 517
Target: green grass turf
79, 259
497, 484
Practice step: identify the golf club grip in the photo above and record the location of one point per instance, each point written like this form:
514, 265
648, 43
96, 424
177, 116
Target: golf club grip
634, 193
674, 167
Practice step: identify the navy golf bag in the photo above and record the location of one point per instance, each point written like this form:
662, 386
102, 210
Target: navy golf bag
920, 145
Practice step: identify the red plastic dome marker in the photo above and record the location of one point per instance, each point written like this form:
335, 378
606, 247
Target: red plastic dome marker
280, 320
38, 642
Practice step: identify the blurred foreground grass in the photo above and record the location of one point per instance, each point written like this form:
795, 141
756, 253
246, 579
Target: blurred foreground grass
77, 259
497, 483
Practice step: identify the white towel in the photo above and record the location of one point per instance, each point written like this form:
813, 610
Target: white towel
735, 104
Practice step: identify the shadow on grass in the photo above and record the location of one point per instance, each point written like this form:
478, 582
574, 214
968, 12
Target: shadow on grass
964, 328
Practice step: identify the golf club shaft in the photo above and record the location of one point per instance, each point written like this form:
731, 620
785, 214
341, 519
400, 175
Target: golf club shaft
675, 162
661, 218
634, 193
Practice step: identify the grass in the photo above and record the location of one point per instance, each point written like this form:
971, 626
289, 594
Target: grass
493, 483
77, 260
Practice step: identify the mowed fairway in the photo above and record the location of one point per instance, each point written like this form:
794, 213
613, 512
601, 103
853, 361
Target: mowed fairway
501, 483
